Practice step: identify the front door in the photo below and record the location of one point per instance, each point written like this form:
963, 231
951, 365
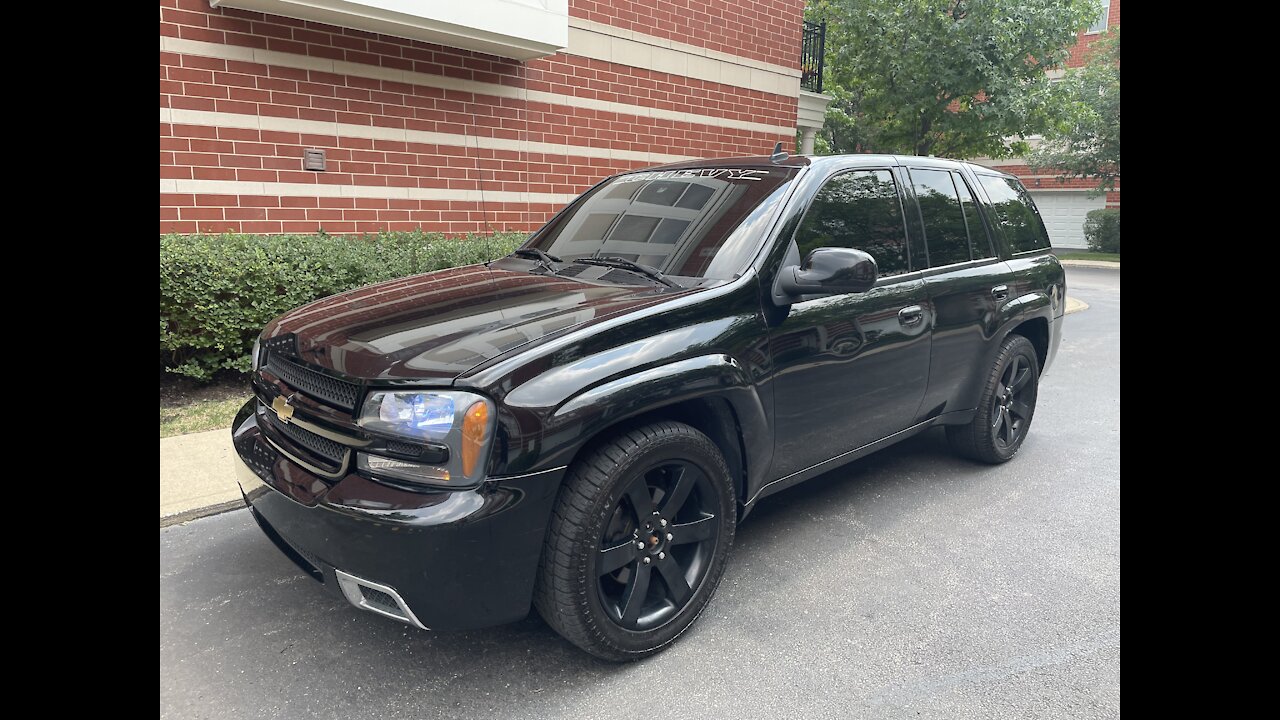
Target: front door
851, 369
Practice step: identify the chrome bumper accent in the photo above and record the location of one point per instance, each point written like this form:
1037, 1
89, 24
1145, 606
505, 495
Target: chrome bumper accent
384, 600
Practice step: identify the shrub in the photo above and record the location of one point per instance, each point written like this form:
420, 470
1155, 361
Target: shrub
1102, 230
218, 291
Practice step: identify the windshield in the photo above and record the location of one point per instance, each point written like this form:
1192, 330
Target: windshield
701, 222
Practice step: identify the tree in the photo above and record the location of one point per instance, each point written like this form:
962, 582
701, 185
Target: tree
1086, 141
958, 78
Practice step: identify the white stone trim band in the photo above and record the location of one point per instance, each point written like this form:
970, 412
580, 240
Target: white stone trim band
618, 45
342, 67
279, 189
209, 118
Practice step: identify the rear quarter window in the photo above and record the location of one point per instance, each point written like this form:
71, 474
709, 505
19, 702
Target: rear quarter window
1015, 214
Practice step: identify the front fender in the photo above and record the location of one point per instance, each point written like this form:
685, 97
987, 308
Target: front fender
640, 392
598, 403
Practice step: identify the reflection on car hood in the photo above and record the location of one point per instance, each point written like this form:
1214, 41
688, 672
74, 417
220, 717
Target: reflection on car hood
441, 324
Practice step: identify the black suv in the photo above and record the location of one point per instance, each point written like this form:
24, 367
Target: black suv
580, 426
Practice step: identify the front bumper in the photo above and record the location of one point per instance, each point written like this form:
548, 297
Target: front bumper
457, 558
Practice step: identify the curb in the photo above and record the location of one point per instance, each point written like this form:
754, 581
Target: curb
1090, 264
1075, 306
187, 516
197, 475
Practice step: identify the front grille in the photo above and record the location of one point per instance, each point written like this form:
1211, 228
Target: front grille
318, 385
322, 446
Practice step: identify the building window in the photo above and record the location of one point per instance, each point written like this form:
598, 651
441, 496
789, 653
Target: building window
1100, 25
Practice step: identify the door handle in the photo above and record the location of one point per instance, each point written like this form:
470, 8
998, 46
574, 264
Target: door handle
1000, 292
910, 315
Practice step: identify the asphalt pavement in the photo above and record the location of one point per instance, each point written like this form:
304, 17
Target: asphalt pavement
907, 584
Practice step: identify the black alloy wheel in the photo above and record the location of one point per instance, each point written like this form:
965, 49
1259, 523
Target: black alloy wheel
1006, 407
1009, 408
657, 545
638, 541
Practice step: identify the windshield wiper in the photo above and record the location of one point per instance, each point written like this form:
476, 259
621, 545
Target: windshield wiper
624, 264
544, 259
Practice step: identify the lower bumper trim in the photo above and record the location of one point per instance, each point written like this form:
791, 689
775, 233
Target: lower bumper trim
376, 598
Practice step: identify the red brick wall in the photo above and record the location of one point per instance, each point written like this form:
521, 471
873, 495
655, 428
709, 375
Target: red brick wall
766, 30
226, 147
1080, 52
1048, 181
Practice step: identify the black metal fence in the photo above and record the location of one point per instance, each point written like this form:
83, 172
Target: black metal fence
812, 48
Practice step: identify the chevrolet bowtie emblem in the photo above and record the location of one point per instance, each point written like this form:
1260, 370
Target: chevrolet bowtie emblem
283, 409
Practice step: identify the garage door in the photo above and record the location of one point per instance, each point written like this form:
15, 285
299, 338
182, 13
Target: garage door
1064, 212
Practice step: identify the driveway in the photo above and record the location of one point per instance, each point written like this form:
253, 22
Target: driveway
908, 584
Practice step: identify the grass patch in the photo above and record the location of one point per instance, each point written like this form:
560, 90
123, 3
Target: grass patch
189, 408
1104, 257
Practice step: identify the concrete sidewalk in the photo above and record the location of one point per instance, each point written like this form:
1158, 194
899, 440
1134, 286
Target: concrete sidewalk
197, 476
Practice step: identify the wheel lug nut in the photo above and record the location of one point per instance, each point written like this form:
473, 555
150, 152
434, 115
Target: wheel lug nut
663, 522
662, 556
670, 536
639, 546
646, 560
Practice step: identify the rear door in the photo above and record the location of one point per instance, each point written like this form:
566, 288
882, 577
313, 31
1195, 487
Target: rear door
1016, 221
966, 282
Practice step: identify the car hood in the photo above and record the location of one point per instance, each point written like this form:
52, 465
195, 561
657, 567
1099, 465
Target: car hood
439, 325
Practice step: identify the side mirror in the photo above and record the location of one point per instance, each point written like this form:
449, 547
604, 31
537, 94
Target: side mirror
830, 271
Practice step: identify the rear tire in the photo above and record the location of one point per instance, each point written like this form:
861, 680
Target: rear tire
639, 539
1006, 407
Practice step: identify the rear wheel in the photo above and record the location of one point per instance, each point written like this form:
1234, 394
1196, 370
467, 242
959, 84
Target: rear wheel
1006, 407
638, 541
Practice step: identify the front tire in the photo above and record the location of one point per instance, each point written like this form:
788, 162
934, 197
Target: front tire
639, 539
1005, 409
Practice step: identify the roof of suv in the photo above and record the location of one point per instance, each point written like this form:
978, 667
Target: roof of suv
817, 161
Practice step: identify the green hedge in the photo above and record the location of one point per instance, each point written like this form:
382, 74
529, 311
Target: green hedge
1102, 230
218, 291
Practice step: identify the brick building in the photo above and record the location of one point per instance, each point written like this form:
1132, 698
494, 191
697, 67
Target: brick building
1065, 204
455, 116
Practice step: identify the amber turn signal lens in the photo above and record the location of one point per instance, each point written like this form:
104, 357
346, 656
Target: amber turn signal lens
475, 427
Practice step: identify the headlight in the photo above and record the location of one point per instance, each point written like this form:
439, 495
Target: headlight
460, 421
256, 353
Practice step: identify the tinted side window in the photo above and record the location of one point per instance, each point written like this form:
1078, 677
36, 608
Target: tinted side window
944, 228
858, 209
979, 242
1016, 214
